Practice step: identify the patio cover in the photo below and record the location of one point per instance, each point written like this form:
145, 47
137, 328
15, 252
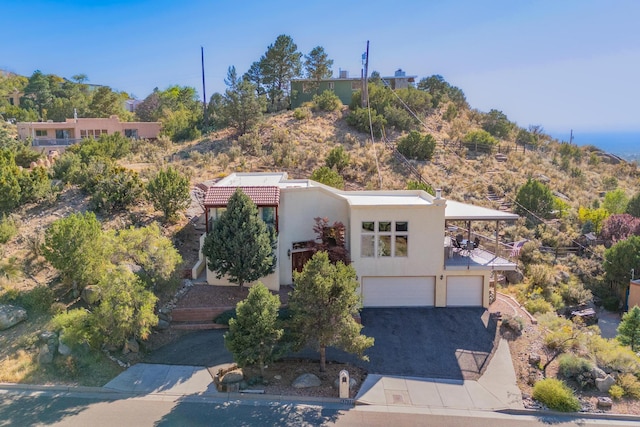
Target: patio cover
464, 212
260, 195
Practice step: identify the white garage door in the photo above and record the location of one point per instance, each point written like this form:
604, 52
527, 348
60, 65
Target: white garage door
398, 291
464, 291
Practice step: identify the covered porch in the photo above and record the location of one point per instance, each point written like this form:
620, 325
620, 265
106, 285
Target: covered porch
468, 250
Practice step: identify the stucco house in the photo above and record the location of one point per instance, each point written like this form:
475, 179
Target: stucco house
633, 297
399, 241
65, 133
303, 90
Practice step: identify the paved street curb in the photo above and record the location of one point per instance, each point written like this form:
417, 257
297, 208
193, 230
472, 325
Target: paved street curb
576, 415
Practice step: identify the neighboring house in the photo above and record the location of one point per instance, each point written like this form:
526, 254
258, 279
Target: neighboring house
633, 297
303, 90
73, 130
397, 240
14, 97
131, 104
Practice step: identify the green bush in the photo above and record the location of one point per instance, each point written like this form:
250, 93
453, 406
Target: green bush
359, 119
38, 299
328, 177
399, 118
223, 319
538, 305
417, 146
8, 228
515, 323
337, 158
479, 139
630, 385
574, 367
616, 392
302, 113
611, 303
327, 101
556, 395
117, 190
75, 327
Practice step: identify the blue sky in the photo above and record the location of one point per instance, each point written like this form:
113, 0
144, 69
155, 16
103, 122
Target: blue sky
561, 64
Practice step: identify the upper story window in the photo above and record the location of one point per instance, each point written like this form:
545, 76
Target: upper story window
41, 132
381, 239
356, 85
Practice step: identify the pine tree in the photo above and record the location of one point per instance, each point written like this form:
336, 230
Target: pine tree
240, 244
323, 304
169, 192
253, 335
629, 329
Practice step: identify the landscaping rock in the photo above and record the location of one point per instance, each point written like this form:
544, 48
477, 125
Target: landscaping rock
164, 316
162, 325
51, 340
306, 380
91, 294
604, 384
513, 277
45, 356
232, 377
63, 349
11, 315
534, 359
605, 402
598, 373
131, 346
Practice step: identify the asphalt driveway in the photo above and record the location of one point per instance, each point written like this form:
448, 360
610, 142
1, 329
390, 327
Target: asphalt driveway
452, 343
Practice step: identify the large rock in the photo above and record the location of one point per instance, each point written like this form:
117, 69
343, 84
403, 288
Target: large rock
63, 349
232, 377
11, 315
604, 384
131, 346
162, 325
605, 402
598, 373
45, 356
306, 380
513, 277
91, 294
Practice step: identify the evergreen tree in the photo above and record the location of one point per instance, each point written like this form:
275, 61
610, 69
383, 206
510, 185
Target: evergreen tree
169, 192
323, 304
278, 66
253, 335
619, 260
633, 207
629, 329
318, 65
242, 107
328, 177
534, 199
240, 244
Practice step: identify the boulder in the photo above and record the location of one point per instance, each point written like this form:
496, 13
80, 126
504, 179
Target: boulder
598, 373
604, 384
306, 380
11, 315
131, 346
162, 324
534, 359
63, 349
513, 277
605, 402
45, 356
91, 294
232, 377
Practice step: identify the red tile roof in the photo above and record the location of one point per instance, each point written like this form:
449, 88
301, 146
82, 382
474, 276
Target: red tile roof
260, 195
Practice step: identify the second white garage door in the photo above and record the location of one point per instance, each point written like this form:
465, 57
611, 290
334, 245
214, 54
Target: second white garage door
398, 291
464, 291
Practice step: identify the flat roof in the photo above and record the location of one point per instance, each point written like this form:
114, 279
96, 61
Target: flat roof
252, 179
385, 199
462, 211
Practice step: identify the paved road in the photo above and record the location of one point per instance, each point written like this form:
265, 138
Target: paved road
451, 343
82, 410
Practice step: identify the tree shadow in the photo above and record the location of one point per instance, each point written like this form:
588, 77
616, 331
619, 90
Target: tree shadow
21, 410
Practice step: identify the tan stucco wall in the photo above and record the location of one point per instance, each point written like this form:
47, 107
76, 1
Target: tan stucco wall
298, 208
147, 130
634, 294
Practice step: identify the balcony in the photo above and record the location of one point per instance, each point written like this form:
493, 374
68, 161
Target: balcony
48, 142
480, 258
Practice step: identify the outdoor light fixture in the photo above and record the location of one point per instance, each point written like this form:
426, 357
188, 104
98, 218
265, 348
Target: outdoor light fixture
289, 253
441, 276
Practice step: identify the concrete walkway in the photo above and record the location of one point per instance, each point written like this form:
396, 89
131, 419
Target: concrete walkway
495, 390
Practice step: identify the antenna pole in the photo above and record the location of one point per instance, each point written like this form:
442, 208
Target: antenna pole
365, 79
204, 91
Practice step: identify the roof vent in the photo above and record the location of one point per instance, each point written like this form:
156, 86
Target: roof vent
344, 74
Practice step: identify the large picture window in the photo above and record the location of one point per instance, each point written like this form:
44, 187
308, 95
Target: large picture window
381, 239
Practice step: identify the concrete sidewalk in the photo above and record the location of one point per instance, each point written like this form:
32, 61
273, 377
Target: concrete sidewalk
495, 390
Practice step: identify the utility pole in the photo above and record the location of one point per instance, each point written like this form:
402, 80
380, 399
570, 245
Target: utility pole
571, 137
365, 79
204, 91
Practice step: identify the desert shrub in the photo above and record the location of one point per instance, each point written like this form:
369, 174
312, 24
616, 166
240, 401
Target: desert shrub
574, 367
419, 185
38, 299
302, 113
359, 119
234, 152
574, 292
337, 158
327, 101
630, 384
223, 318
8, 228
616, 392
74, 327
514, 323
328, 177
250, 143
57, 308
538, 305
399, 118
117, 190
479, 140
417, 146
611, 303
611, 356
555, 395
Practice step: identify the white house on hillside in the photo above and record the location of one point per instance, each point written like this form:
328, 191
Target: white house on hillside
399, 241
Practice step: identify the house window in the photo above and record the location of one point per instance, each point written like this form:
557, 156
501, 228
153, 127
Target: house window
131, 133
268, 215
62, 134
41, 132
356, 85
331, 85
381, 239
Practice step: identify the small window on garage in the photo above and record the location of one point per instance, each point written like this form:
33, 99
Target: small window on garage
367, 248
